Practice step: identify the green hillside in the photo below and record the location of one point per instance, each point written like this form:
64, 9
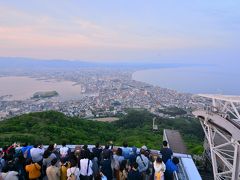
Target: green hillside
136, 128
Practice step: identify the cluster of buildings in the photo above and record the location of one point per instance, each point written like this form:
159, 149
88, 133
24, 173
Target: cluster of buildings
104, 93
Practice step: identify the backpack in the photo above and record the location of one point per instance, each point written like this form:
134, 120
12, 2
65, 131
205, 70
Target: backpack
145, 165
72, 175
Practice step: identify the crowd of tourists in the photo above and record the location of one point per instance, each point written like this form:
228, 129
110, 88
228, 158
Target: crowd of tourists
28, 162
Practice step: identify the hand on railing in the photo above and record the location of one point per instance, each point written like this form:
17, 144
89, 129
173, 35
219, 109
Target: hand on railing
175, 175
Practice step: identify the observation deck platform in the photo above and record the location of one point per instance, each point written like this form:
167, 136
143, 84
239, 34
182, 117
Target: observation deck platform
187, 167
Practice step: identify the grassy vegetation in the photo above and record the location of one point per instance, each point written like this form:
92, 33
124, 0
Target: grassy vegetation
136, 128
172, 111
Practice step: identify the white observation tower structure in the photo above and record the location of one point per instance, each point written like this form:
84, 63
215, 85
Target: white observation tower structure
221, 125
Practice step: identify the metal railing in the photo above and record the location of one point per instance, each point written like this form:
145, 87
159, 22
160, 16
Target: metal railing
181, 174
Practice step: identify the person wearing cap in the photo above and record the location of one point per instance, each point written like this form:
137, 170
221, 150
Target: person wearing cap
144, 148
143, 162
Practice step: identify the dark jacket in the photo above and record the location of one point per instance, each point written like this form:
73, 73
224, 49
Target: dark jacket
106, 168
166, 154
134, 175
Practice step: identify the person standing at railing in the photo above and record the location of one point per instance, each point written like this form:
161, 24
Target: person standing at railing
64, 166
117, 160
171, 167
33, 169
64, 151
107, 151
73, 172
126, 150
26, 151
143, 163
86, 172
97, 150
53, 172
106, 167
123, 170
159, 168
133, 156
166, 152
37, 154
48, 156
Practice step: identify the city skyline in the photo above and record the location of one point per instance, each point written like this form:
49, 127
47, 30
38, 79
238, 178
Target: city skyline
120, 31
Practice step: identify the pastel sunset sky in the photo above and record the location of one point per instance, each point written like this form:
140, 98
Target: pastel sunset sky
121, 30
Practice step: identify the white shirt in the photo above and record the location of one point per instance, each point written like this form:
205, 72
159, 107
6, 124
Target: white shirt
117, 161
118, 158
64, 151
37, 154
159, 167
75, 171
10, 175
84, 166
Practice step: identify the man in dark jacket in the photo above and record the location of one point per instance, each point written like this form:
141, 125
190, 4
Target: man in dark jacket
166, 152
106, 168
97, 150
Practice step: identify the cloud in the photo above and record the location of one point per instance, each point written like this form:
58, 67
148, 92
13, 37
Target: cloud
37, 35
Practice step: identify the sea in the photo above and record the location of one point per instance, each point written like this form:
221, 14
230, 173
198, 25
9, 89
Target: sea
195, 80
23, 88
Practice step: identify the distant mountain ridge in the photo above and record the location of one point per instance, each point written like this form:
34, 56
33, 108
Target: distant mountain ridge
26, 63
11, 62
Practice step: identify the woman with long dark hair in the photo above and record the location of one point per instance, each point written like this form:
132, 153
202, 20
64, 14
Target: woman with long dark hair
123, 170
